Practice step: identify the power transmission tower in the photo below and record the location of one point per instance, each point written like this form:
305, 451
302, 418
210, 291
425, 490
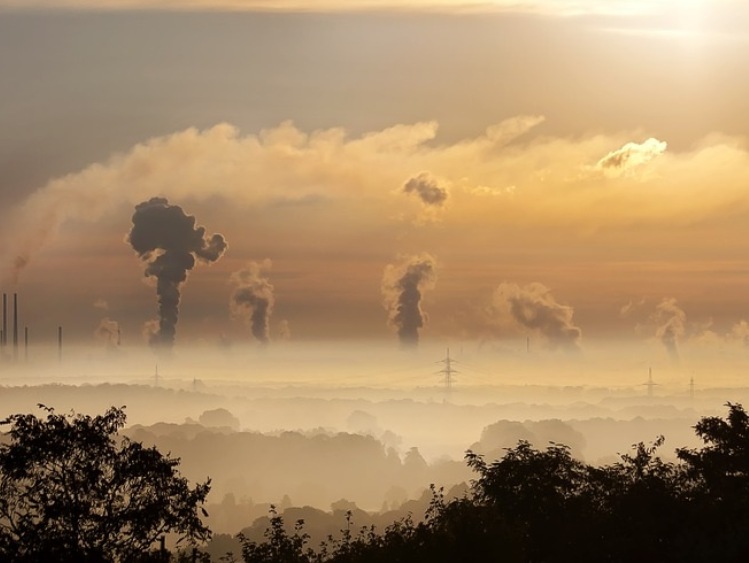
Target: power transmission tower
448, 371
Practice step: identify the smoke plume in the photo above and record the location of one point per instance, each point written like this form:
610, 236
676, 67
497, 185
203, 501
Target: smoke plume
427, 188
108, 332
533, 308
402, 287
284, 330
168, 241
670, 322
252, 299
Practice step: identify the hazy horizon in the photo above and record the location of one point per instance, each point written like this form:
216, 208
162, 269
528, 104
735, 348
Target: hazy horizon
262, 225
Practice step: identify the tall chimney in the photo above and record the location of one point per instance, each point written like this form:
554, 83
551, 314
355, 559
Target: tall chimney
25, 344
5, 319
15, 326
59, 343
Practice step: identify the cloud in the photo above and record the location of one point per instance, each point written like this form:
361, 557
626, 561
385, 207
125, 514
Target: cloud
631, 155
561, 7
740, 333
630, 308
252, 299
430, 190
533, 309
352, 174
403, 285
488, 191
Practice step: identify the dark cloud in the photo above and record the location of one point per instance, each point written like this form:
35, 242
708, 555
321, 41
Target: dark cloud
252, 299
428, 189
533, 308
169, 242
402, 287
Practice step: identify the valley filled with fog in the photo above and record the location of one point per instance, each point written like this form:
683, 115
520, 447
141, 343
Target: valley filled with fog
322, 427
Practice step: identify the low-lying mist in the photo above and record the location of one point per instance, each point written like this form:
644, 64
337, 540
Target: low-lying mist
370, 426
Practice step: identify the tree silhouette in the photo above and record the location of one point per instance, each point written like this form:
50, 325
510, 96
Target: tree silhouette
719, 474
72, 490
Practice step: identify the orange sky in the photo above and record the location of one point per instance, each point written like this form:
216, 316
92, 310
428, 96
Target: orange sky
590, 167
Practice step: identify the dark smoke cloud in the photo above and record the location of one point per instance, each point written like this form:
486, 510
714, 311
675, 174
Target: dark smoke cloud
402, 287
168, 241
252, 299
427, 188
670, 320
532, 308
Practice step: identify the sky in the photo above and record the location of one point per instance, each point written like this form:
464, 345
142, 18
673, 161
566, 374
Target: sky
407, 172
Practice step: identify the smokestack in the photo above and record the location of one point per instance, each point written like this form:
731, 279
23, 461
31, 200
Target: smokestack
5, 319
25, 344
59, 343
15, 326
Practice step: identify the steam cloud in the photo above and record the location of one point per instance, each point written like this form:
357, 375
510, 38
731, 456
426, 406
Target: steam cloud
402, 287
427, 188
631, 155
108, 332
670, 322
168, 241
284, 330
252, 299
533, 308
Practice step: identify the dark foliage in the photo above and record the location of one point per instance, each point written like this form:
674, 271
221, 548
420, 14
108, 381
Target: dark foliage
544, 506
70, 490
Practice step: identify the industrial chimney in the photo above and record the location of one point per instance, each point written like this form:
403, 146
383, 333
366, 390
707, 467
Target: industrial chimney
15, 327
5, 319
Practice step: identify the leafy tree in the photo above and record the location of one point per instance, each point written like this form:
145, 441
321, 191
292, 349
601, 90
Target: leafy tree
546, 506
279, 547
71, 490
719, 475
723, 464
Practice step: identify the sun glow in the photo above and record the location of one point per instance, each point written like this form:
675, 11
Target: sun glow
689, 16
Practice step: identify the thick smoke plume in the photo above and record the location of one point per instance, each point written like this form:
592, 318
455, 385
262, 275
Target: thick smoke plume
428, 188
252, 299
168, 241
670, 320
532, 308
402, 287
